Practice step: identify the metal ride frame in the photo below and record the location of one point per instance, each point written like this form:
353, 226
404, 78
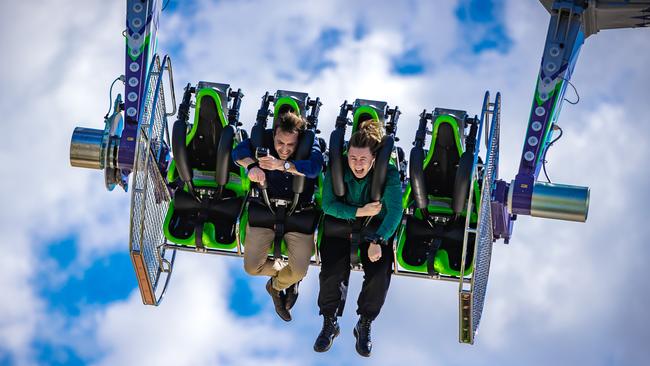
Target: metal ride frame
472, 297
150, 200
142, 146
150, 196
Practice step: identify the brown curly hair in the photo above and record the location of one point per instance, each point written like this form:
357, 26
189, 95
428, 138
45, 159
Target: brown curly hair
289, 122
369, 134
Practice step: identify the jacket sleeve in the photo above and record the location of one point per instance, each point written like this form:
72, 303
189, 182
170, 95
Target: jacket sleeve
332, 205
242, 150
392, 203
313, 166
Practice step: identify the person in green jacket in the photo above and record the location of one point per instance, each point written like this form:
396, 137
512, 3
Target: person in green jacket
376, 256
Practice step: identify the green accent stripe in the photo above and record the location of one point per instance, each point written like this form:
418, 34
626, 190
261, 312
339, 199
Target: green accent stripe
441, 263
445, 118
364, 109
143, 46
551, 119
237, 183
199, 96
282, 101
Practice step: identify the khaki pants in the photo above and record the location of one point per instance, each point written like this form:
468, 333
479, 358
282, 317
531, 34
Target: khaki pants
256, 262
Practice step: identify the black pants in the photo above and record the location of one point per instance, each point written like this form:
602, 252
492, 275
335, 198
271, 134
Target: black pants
335, 274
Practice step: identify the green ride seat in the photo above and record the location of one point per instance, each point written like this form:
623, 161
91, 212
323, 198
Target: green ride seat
211, 189
442, 179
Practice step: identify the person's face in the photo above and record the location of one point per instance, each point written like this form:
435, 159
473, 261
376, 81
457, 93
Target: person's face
360, 160
285, 143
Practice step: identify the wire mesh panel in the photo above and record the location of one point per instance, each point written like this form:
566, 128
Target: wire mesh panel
485, 237
150, 197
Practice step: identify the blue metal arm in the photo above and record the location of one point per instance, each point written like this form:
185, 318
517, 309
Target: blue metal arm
564, 39
141, 27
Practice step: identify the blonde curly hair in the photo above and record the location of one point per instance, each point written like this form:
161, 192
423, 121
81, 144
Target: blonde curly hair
369, 134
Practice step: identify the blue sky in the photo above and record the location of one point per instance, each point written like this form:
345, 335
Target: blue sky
560, 292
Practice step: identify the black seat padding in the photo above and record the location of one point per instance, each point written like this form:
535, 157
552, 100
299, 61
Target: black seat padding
342, 229
302, 221
222, 213
418, 232
440, 172
203, 146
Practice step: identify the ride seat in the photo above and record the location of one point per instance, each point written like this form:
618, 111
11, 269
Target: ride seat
442, 214
204, 213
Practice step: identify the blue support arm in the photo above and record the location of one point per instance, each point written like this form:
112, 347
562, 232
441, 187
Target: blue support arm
564, 39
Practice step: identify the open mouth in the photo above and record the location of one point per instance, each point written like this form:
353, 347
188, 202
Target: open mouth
358, 171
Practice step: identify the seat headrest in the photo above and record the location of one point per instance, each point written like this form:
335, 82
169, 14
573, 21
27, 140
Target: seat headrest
382, 159
442, 158
363, 113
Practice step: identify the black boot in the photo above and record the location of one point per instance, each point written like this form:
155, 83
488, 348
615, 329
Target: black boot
291, 295
327, 334
362, 334
278, 302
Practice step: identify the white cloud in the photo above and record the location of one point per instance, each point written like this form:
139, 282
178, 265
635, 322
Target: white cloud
192, 326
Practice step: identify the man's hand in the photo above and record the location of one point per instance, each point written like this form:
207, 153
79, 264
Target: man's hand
374, 252
369, 209
256, 175
271, 163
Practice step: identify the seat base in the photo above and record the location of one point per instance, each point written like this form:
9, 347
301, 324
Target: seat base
412, 245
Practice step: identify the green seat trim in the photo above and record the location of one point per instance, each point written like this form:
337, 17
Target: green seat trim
445, 118
209, 240
407, 200
199, 96
208, 235
441, 262
364, 109
282, 101
437, 209
237, 183
318, 192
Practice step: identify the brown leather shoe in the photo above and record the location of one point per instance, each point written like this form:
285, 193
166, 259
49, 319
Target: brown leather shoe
278, 302
291, 295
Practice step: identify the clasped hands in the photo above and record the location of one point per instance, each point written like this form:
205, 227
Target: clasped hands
256, 174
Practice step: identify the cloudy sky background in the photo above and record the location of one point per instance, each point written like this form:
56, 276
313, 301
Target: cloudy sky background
560, 293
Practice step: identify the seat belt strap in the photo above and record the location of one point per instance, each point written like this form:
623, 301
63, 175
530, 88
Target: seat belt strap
432, 250
198, 235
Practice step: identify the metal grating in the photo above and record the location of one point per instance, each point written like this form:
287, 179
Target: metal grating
485, 235
150, 196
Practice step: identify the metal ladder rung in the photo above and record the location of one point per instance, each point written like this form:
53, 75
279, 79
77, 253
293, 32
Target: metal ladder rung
466, 335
